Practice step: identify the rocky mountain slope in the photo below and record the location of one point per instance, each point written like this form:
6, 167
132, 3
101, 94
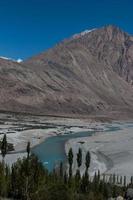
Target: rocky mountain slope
88, 74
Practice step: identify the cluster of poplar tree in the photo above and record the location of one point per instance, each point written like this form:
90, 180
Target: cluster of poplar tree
27, 179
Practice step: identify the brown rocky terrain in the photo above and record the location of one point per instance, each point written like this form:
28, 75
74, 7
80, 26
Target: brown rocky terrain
87, 74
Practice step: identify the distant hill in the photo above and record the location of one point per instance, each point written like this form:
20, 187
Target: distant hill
90, 73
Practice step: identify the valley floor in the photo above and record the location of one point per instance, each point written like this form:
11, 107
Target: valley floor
21, 129
111, 152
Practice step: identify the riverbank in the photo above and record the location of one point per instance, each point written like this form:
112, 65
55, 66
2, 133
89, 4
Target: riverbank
111, 152
111, 145
20, 131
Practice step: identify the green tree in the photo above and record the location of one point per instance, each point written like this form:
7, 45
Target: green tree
28, 149
87, 160
125, 182
26, 183
77, 179
4, 147
79, 157
58, 191
77, 175
121, 180
117, 179
3, 184
61, 169
28, 179
70, 160
95, 182
27, 171
4, 170
131, 180
98, 176
65, 178
114, 179
85, 182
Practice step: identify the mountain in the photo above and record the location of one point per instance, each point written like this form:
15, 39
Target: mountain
90, 73
19, 60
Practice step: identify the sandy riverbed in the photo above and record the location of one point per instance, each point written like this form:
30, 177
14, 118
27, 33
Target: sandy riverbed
18, 136
111, 152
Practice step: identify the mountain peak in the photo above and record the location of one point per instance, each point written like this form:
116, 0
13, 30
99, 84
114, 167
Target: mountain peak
113, 28
77, 35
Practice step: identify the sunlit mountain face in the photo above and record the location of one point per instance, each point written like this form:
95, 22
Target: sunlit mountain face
90, 73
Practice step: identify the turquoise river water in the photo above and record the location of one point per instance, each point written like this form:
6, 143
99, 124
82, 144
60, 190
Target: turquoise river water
52, 150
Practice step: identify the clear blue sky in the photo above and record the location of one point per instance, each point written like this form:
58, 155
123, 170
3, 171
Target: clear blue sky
28, 27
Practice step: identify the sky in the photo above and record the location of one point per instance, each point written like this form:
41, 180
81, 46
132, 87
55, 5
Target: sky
28, 27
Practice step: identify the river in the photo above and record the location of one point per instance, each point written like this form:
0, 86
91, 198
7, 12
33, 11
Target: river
52, 151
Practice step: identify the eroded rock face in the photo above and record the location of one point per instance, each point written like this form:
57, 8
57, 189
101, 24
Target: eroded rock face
90, 74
